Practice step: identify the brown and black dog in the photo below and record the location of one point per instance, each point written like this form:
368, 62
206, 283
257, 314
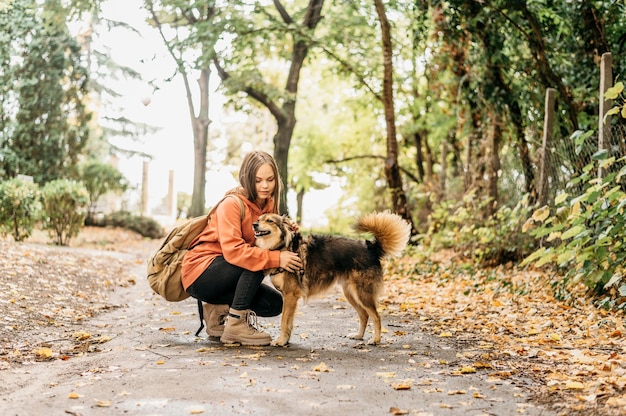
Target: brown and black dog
327, 260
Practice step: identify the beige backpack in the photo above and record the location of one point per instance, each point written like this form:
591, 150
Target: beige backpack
165, 265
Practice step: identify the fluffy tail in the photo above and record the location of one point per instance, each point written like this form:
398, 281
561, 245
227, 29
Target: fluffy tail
390, 230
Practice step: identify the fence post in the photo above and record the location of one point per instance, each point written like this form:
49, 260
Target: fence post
548, 126
606, 82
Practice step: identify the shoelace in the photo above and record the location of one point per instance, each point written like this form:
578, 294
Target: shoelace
252, 320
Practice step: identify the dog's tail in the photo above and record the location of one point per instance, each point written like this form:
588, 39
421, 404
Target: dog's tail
391, 231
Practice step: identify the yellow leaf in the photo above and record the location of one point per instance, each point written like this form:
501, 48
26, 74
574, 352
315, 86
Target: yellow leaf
397, 411
555, 337
401, 386
103, 403
574, 385
467, 370
322, 368
160, 362
81, 335
541, 214
44, 352
445, 334
388, 374
196, 411
553, 236
166, 329
73, 395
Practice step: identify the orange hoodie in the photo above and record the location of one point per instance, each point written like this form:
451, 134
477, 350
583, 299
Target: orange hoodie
228, 235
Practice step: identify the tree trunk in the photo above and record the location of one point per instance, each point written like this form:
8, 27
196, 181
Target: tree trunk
299, 202
493, 162
200, 124
392, 169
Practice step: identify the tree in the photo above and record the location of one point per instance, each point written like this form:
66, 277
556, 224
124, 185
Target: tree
193, 31
50, 128
239, 69
99, 179
392, 170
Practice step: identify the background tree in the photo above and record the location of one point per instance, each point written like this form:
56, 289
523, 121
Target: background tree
189, 30
257, 33
50, 81
99, 179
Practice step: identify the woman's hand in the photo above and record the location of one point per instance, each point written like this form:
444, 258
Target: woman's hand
290, 261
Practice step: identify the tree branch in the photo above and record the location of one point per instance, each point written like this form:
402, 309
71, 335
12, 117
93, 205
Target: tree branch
360, 157
253, 93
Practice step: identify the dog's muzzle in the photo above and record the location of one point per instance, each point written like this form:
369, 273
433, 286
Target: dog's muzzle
258, 232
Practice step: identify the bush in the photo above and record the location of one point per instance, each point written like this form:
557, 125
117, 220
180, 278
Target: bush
584, 234
147, 227
65, 208
486, 239
20, 208
99, 179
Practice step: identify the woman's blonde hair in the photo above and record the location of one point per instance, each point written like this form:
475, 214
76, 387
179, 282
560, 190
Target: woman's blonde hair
247, 175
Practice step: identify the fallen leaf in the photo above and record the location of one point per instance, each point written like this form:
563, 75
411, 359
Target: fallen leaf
44, 352
322, 368
574, 385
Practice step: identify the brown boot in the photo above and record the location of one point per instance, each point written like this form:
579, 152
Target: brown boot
240, 329
214, 318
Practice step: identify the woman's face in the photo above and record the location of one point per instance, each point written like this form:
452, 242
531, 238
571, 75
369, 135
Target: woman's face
265, 183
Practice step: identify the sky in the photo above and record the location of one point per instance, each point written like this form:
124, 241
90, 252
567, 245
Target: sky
172, 146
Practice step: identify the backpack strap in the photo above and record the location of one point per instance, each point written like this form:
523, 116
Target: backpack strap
242, 213
201, 314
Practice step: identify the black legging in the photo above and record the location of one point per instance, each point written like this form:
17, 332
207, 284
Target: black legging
223, 283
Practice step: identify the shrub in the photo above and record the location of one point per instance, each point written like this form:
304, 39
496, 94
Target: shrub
145, 226
584, 233
486, 239
20, 208
65, 207
100, 178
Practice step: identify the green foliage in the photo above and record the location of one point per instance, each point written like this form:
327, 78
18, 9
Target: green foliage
145, 226
486, 239
44, 123
20, 208
584, 233
100, 178
616, 92
65, 207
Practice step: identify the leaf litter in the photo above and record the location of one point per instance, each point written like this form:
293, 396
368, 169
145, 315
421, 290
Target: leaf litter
47, 293
506, 322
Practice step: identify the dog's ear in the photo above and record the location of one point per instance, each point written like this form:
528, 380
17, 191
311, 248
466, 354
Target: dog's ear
287, 231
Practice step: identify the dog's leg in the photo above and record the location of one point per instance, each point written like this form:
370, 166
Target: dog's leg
290, 303
361, 312
370, 306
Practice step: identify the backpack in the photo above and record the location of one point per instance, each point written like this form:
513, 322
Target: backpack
165, 265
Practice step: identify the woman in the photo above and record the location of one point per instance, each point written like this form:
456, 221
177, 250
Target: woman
225, 270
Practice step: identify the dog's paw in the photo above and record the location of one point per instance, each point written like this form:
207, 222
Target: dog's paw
373, 341
280, 343
355, 336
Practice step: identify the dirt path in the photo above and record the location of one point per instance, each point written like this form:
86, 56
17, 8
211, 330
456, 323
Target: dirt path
154, 365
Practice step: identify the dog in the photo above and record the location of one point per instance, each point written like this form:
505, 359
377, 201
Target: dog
327, 260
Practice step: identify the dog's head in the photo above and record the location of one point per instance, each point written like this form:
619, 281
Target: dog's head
273, 232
